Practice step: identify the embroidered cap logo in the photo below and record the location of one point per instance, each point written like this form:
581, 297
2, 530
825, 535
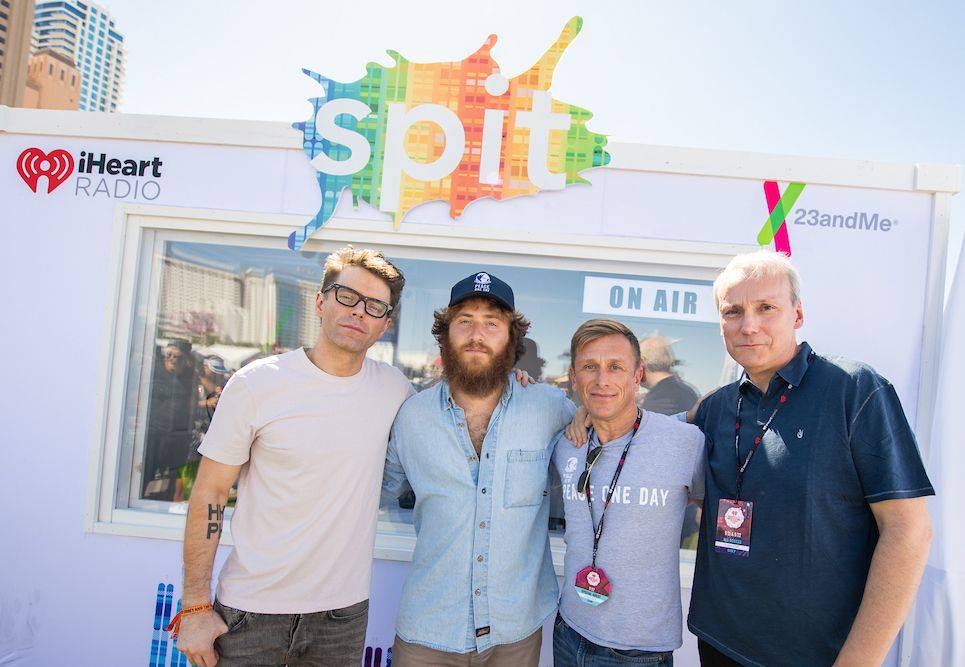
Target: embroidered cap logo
482, 282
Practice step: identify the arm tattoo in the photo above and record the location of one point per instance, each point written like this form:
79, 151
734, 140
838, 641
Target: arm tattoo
215, 517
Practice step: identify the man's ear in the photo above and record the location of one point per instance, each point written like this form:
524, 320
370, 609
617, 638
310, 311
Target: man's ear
799, 315
386, 326
319, 299
640, 374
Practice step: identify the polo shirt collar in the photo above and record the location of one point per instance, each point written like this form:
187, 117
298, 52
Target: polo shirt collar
792, 372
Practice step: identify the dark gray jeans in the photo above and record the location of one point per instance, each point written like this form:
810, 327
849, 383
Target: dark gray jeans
323, 639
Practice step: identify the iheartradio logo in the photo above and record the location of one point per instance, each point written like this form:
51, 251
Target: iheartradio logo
56, 166
94, 175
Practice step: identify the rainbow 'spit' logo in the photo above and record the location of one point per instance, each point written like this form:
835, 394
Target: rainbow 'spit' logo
415, 132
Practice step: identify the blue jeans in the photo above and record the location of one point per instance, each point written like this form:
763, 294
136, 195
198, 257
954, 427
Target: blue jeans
570, 649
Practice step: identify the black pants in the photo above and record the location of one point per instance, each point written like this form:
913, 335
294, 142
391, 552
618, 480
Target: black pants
711, 657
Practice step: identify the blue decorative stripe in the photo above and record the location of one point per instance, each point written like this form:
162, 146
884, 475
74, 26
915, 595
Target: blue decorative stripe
164, 601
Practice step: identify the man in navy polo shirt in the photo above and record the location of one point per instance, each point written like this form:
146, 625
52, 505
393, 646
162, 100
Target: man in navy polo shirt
815, 530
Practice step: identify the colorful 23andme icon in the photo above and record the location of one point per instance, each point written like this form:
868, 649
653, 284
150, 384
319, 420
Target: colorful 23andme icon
415, 132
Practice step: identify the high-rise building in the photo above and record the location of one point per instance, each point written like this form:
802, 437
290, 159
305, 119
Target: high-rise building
86, 33
52, 82
204, 301
16, 23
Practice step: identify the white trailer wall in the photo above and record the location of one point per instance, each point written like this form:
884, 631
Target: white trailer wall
80, 579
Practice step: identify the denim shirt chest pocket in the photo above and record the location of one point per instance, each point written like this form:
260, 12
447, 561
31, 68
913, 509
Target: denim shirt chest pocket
527, 475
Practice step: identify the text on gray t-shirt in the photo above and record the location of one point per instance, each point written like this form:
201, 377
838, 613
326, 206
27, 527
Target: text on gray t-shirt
639, 549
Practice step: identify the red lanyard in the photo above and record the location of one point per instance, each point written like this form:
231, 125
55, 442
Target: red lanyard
741, 467
598, 533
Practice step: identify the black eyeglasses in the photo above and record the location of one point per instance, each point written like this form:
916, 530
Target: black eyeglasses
349, 297
591, 457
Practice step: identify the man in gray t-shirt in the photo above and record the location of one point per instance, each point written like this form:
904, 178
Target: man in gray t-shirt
627, 602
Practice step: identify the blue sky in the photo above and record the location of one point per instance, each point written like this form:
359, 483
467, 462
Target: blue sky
882, 80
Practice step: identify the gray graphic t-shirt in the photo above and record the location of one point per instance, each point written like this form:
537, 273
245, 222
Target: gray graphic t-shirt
639, 549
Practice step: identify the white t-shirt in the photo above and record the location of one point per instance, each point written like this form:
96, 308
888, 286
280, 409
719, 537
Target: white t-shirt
312, 449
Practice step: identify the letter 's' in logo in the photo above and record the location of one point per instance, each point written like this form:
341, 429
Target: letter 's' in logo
445, 131
34, 163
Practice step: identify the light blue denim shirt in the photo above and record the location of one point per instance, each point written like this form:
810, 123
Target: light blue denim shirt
482, 557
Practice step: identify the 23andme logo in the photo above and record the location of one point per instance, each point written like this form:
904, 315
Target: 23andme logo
778, 206
97, 174
456, 131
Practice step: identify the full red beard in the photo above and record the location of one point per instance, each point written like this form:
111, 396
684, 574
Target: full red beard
475, 381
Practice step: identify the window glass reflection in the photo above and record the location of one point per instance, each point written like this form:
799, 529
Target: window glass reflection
221, 306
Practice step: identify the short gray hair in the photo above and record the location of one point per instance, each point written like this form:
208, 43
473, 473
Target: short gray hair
755, 265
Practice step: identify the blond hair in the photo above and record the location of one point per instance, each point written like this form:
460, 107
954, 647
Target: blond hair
756, 265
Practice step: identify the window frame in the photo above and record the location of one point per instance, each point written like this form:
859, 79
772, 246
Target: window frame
139, 228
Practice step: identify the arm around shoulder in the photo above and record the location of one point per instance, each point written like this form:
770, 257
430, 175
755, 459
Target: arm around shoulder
393, 475
699, 453
697, 414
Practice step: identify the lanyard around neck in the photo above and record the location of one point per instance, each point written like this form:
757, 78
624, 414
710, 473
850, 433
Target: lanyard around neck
741, 467
598, 532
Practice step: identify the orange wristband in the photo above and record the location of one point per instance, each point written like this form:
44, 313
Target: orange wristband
174, 627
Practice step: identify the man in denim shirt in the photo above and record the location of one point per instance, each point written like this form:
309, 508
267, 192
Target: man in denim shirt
476, 450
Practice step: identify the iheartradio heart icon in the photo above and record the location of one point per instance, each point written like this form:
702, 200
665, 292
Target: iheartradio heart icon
34, 163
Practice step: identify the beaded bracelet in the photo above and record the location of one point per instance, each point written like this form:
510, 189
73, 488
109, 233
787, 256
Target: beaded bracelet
174, 627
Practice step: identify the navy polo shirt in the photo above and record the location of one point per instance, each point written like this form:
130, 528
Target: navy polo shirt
839, 443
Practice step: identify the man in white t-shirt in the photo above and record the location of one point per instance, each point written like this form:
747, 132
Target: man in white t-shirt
305, 434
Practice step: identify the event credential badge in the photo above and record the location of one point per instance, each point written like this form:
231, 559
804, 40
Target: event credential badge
592, 585
734, 527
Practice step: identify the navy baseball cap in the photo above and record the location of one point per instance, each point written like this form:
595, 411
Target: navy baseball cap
482, 284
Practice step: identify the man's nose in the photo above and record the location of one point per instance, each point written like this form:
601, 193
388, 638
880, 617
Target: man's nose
359, 309
750, 323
